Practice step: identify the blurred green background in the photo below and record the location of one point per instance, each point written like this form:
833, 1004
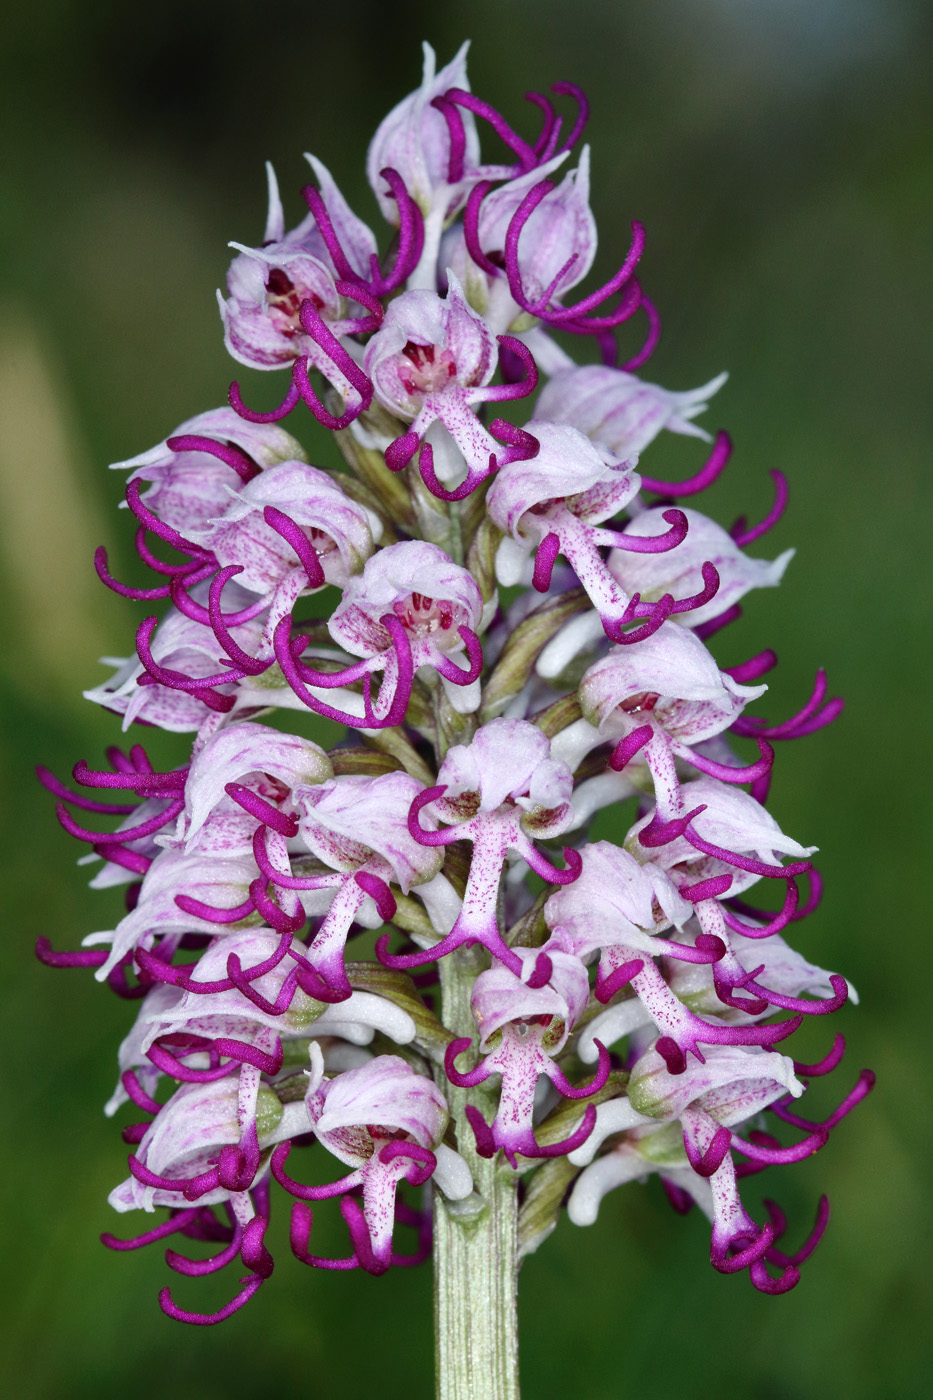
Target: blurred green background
779, 153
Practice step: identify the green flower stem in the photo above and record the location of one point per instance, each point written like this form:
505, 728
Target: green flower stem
475, 1245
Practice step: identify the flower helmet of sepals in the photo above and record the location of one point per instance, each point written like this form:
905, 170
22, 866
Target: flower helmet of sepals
359, 827
558, 243
477, 738
190, 472
431, 363
284, 534
621, 412
184, 650
248, 983
204, 875
661, 700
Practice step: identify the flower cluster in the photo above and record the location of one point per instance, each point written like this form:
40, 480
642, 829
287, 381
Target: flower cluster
483, 733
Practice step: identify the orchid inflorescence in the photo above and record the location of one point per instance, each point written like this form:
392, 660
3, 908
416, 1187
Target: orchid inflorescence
485, 731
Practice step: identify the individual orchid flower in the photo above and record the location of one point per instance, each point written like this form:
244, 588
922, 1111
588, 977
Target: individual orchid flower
602, 912
554, 503
653, 575
206, 882
291, 301
248, 997
522, 1028
499, 791
287, 532
434, 149
181, 647
558, 243
639, 1146
411, 607
192, 474
209, 1145
657, 577
776, 967
663, 698
704, 1106
191, 470
620, 411
386, 1122
253, 768
431, 363
358, 828
252, 534
286, 309
543, 239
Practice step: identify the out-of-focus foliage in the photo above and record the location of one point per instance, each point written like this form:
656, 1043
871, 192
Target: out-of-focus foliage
779, 153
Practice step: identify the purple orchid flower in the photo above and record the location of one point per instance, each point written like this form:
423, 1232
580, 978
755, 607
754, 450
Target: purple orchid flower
662, 699
411, 607
386, 1122
332, 818
416, 140
732, 1087
522, 1027
247, 1000
431, 363
657, 576
289, 531
558, 244
499, 791
554, 503
211, 452
620, 411
233, 1123
185, 648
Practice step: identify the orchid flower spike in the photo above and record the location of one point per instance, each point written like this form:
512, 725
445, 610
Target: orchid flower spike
474, 736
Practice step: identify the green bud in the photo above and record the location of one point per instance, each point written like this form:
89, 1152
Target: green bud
357, 759
540, 1209
665, 1147
363, 446
431, 1037
514, 667
268, 1112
